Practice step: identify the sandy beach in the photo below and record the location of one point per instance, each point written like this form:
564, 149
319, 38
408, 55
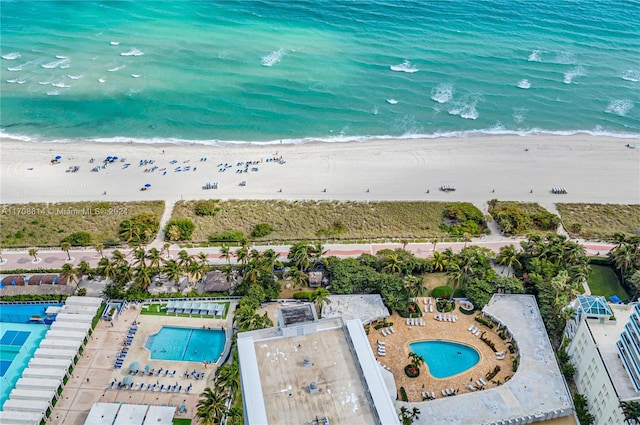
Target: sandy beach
591, 168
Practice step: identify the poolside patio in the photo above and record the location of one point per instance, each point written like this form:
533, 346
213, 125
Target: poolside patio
397, 350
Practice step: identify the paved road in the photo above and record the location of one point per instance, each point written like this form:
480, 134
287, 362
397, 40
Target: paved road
55, 258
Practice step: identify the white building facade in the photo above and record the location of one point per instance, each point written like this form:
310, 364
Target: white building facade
600, 373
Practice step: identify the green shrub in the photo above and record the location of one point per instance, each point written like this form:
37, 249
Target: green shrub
206, 208
335, 229
230, 235
141, 228
487, 322
82, 292
304, 295
261, 230
403, 394
179, 229
461, 218
442, 292
518, 218
78, 239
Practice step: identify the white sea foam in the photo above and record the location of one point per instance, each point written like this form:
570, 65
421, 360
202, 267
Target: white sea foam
535, 56
578, 71
619, 107
44, 83
404, 67
392, 101
101, 80
52, 65
442, 93
64, 66
374, 111
15, 68
117, 68
53, 93
114, 43
524, 84
61, 57
75, 77
272, 58
467, 111
11, 56
60, 85
136, 75
519, 115
631, 75
132, 52
565, 57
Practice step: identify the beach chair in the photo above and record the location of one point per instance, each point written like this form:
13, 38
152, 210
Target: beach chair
408, 321
471, 387
444, 393
392, 330
470, 328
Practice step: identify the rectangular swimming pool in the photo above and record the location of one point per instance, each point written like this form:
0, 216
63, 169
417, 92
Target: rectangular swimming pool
186, 344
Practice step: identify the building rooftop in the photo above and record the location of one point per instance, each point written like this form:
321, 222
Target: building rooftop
536, 392
296, 315
605, 336
594, 305
307, 377
367, 308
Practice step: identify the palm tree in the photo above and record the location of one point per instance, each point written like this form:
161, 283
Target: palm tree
391, 263
118, 257
439, 261
154, 257
228, 377
631, 411
139, 257
623, 258
508, 258
415, 360
99, 248
298, 277
319, 297
143, 275
165, 248
225, 252
34, 253
407, 417
317, 252
66, 246
456, 276
124, 274
83, 269
300, 255
172, 271
106, 268
69, 273
415, 286
211, 407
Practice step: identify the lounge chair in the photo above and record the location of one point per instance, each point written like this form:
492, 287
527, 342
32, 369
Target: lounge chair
444, 393
470, 328
408, 323
482, 381
471, 387
392, 330
182, 409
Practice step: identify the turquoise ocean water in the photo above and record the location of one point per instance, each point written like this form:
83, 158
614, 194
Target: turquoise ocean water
333, 70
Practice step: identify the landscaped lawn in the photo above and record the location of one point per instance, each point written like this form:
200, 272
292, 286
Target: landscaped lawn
603, 281
155, 310
181, 421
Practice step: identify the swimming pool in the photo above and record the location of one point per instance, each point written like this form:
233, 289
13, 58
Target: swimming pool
445, 358
18, 342
186, 344
21, 313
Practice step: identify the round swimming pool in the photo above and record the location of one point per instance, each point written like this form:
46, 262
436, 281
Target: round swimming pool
446, 358
186, 344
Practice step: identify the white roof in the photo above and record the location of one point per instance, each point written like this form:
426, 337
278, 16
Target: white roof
38, 383
131, 414
79, 309
38, 406
52, 310
69, 317
11, 417
372, 373
35, 372
102, 414
20, 394
249, 373
65, 344
90, 301
71, 326
41, 362
60, 334
54, 353
159, 415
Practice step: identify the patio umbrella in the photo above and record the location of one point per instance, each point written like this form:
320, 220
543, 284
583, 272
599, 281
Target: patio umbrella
13, 282
134, 367
127, 380
148, 368
147, 185
58, 157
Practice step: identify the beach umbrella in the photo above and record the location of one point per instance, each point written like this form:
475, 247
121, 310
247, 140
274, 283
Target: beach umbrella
148, 368
114, 158
58, 157
135, 366
127, 380
147, 185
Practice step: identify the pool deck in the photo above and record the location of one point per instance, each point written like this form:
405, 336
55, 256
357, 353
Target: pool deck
94, 371
397, 351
